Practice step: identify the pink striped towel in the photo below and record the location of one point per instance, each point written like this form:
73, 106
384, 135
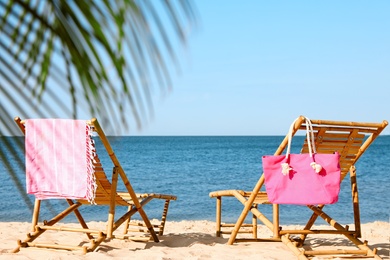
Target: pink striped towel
59, 159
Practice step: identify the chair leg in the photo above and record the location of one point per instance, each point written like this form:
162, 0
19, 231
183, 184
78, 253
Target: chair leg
111, 214
254, 224
355, 201
35, 218
218, 216
127, 223
275, 220
164, 218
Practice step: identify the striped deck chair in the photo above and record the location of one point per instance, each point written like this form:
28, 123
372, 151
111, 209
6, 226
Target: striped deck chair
104, 192
350, 140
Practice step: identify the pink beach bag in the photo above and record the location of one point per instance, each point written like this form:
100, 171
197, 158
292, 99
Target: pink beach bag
302, 179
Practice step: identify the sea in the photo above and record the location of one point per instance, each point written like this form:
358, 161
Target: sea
191, 167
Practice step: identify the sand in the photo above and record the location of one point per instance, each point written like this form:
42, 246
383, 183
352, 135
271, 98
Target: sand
182, 240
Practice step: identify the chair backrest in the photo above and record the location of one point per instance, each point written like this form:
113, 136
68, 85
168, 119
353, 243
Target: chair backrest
349, 139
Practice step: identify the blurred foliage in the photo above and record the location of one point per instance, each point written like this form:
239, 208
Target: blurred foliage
78, 59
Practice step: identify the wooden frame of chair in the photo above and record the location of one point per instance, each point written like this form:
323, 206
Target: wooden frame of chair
348, 138
106, 194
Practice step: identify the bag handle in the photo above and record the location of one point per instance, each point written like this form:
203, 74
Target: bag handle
309, 136
310, 143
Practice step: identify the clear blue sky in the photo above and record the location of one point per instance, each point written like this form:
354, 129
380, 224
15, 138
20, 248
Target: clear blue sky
253, 66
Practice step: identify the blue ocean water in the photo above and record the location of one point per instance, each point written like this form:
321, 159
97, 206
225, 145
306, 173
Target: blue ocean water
191, 167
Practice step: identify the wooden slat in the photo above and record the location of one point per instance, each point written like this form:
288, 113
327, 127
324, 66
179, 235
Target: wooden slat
133, 238
232, 225
332, 136
57, 246
70, 229
313, 231
337, 252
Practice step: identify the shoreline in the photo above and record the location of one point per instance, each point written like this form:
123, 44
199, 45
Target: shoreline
181, 240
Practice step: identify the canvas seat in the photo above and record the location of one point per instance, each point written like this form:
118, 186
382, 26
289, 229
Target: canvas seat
350, 140
106, 193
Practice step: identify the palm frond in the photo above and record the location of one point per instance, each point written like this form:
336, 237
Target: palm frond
77, 59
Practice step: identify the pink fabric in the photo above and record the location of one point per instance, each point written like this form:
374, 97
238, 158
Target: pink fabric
302, 185
58, 159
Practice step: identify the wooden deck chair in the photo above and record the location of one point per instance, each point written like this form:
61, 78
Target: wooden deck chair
106, 194
350, 139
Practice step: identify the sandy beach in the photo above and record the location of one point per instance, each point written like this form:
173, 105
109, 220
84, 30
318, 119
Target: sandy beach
182, 240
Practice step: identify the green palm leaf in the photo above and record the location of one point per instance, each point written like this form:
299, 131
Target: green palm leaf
64, 58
